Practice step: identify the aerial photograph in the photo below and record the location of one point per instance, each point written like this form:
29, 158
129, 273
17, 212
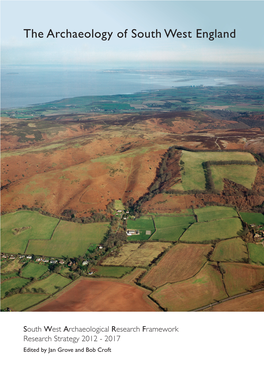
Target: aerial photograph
132, 156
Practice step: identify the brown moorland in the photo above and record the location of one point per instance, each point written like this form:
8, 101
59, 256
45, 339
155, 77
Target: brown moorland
82, 162
78, 179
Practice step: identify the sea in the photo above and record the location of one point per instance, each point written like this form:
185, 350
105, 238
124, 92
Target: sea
25, 86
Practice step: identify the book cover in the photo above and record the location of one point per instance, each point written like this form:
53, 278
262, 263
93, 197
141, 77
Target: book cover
132, 181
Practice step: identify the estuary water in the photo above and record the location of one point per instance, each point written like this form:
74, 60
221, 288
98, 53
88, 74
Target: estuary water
24, 86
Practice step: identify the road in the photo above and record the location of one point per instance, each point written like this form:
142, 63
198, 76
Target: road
225, 300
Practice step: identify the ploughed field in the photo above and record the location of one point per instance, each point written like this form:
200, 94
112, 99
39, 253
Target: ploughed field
100, 295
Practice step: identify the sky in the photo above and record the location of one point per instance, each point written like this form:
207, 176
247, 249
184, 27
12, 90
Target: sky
245, 17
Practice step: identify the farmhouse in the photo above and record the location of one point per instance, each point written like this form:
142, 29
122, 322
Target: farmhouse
132, 232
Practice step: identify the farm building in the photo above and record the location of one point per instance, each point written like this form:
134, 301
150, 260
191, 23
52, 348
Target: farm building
131, 232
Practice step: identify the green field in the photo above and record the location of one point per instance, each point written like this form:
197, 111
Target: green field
193, 173
162, 221
118, 205
8, 275
252, 218
92, 247
170, 228
240, 174
33, 270
51, 284
20, 302
214, 212
69, 239
256, 253
171, 234
14, 283
212, 230
143, 224
233, 250
39, 227
106, 271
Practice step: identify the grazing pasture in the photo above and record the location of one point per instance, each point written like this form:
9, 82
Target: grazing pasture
232, 250
256, 253
21, 226
51, 284
8, 275
240, 174
13, 283
20, 302
169, 234
33, 270
252, 218
214, 212
212, 230
69, 239
193, 177
163, 221
170, 228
